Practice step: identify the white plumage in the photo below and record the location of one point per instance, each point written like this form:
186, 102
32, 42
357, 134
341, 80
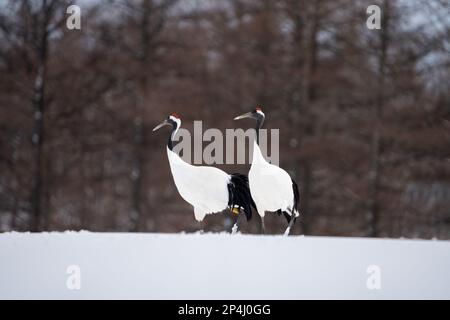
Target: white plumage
270, 186
205, 188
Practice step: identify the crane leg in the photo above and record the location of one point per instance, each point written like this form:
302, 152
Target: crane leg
291, 224
263, 226
199, 216
234, 226
201, 226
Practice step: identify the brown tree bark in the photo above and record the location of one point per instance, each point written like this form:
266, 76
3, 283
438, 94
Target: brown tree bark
38, 103
376, 143
309, 89
152, 21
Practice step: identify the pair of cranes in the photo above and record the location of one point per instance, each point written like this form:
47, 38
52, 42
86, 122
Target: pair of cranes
211, 190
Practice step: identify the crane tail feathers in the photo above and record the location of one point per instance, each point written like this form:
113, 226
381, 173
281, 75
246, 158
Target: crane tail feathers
296, 198
239, 194
294, 211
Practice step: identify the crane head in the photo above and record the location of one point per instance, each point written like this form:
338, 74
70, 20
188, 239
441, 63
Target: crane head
256, 114
173, 120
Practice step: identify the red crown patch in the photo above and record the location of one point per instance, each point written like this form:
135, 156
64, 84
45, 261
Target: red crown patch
173, 114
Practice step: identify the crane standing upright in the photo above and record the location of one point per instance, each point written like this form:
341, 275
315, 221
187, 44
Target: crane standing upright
271, 187
207, 189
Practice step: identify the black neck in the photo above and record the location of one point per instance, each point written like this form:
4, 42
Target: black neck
169, 143
172, 133
259, 123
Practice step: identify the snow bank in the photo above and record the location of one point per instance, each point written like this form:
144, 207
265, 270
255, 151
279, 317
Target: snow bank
219, 266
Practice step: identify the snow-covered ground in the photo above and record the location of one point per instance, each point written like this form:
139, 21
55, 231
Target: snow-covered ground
219, 266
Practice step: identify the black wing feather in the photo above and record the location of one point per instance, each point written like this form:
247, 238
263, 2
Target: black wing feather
296, 194
239, 194
295, 204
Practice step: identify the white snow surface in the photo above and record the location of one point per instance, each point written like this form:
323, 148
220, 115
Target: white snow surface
219, 266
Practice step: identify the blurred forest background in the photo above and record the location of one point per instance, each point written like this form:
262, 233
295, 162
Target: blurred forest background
364, 115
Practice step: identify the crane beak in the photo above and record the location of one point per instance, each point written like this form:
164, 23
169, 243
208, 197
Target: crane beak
245, 115
162, 124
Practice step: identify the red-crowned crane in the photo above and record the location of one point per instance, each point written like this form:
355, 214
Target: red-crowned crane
207, 189
271, 187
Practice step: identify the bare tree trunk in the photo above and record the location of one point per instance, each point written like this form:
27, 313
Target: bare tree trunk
136, 175
265, 45
14, 213
305, 189
138, 139
376, 144
152, 20
309, 89
298, 17
38, 103
47, 218
308, 85
374, 176
37, 140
